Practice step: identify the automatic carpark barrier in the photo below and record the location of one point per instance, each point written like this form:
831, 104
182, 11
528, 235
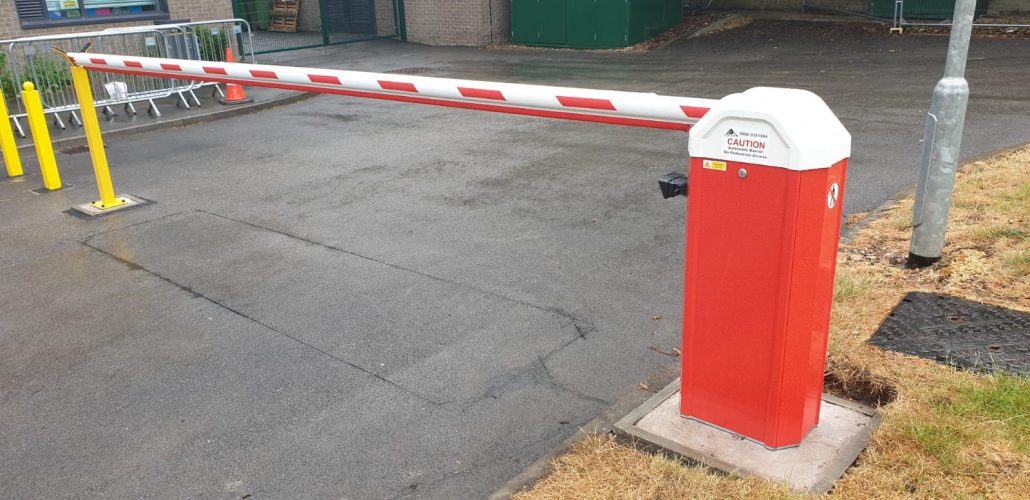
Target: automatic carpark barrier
766, 181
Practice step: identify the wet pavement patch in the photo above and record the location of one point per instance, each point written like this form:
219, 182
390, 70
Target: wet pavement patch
958, 333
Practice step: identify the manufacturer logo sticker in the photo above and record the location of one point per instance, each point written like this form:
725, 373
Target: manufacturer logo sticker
715, 165
831, 198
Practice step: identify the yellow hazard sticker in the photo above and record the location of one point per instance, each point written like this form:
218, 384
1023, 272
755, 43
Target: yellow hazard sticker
715, 165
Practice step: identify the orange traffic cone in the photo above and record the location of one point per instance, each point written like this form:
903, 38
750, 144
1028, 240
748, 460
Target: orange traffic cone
234, 93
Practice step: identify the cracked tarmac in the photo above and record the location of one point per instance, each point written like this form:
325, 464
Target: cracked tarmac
363, 299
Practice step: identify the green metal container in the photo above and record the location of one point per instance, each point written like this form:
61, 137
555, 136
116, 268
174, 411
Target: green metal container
921, 9
591, 23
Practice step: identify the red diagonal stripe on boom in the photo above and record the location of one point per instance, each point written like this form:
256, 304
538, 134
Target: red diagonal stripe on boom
399, 86
481, 93
693, 111
133, 64
215, 71
97, 60
256, 73
171, 67
331, 80
586, 103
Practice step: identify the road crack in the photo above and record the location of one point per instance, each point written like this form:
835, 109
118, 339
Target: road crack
199, 295
551, 310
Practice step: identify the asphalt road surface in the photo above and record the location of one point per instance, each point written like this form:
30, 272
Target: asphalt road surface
365, 299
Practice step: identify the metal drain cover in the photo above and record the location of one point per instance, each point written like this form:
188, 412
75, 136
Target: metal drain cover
958, 332
418, 70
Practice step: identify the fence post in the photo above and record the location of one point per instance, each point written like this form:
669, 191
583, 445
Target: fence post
41, 136
91, 125
402, 23
10, 150
324, 22
942, 139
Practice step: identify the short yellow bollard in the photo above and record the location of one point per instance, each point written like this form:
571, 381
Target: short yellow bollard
41, 136
91, 125
10, 150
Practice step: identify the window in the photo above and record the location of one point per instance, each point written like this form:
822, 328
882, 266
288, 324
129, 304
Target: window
42, 13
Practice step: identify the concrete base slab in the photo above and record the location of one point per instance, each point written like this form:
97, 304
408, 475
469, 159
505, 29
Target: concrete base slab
44, 190
813, 466
89, 210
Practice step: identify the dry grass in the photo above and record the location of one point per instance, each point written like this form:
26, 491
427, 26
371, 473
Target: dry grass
945, 433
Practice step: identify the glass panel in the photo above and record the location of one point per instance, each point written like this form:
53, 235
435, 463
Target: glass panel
63, 9
102, 8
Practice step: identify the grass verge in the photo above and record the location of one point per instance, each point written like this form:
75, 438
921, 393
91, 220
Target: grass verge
945, 433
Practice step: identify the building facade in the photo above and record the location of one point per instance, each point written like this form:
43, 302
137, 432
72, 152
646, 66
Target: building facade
24, 18
432, 22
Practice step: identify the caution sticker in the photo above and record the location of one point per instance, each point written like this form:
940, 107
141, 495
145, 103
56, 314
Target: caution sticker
715, 165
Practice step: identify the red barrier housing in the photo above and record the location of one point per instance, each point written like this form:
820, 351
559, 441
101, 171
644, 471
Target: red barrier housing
767, 175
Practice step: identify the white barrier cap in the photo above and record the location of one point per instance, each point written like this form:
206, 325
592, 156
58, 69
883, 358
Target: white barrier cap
786, 128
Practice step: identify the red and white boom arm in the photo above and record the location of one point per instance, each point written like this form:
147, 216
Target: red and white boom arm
603, 106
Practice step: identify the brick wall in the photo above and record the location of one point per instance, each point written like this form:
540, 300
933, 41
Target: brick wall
458, 22
195, 10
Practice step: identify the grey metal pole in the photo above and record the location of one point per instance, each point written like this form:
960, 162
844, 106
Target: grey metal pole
942, 139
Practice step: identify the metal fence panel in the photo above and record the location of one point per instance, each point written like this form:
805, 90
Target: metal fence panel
907, 12
33, 59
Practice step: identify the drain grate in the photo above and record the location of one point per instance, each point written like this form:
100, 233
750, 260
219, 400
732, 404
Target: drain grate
76, 150
958, 332
419, 70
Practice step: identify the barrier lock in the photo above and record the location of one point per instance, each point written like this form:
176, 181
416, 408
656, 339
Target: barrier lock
767, 173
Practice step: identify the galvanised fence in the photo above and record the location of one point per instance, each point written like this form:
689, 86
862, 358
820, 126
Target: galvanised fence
903, 13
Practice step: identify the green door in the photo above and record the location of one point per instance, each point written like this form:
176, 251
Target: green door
538, 22
598, 23
650, 19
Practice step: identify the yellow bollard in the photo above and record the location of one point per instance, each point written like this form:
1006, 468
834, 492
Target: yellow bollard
7, 145
41, 136
91, 125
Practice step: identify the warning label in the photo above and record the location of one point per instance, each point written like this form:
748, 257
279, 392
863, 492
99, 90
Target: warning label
715, 165
746, 144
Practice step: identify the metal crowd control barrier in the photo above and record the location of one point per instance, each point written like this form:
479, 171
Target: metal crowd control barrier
203, 41
32, 59
767, 176
176, 42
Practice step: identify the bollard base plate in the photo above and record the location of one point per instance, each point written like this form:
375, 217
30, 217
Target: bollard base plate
95, 209
813, 466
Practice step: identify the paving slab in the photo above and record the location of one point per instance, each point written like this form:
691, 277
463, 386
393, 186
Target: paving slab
151, 391
813, 466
